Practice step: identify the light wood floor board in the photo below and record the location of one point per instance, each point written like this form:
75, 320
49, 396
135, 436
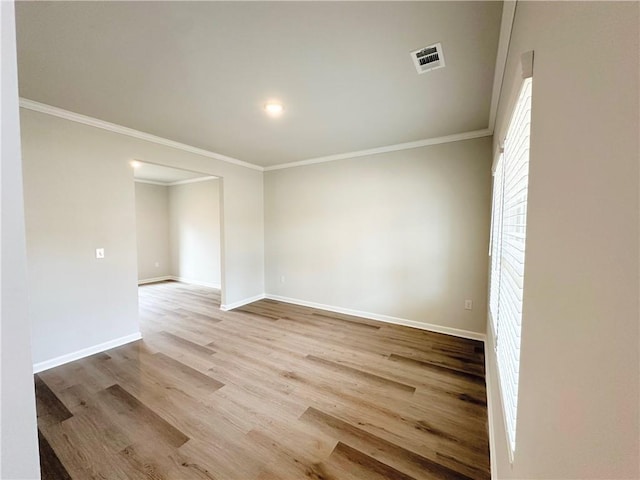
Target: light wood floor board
268, 391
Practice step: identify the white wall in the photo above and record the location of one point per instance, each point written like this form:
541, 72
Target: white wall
579, 396
152, 228
18, 437
80, 196
178, 227
402, 234
194, 227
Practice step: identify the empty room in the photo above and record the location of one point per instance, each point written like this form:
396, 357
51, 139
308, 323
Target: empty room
322, 239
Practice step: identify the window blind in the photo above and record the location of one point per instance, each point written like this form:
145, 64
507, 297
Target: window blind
496, 243
511, 180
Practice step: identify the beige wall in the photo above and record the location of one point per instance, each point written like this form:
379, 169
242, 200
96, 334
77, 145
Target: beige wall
579, 397
401, 234
152, 229
18, 437
80, 196
194, 227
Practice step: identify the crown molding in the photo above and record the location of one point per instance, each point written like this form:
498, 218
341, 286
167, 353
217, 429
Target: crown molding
192, 180
150, 182
173, 184
389, 148
506, 27
112, 127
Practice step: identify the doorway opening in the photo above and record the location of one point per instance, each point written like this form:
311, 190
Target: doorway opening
179, 226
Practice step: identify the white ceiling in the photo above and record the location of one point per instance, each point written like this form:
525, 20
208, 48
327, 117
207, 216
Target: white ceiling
164, 175
200, 72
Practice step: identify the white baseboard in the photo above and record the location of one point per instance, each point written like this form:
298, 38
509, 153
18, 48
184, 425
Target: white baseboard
155, 280
240, 303
85, 352
383, 318
179, 279
194, 282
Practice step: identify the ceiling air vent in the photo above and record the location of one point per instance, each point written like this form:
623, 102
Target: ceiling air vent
428, 58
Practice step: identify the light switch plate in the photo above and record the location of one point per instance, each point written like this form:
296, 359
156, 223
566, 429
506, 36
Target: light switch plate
99, 252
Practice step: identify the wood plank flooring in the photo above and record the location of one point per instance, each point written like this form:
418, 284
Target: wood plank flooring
269, 391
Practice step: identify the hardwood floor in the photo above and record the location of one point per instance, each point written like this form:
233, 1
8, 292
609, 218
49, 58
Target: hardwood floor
269, 391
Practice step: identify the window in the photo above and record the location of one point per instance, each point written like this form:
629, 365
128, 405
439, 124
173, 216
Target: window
508, 234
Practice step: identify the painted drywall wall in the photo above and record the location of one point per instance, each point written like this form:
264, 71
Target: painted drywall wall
18, 434
179, 231
194, 229
152, 231
403, 234
578, 402
77, 199
79, 196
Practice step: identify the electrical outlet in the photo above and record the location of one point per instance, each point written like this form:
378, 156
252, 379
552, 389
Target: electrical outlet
281, 278
99, 252
468, 304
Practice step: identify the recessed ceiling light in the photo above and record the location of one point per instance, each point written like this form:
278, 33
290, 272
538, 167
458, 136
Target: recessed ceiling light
135, 163
274, 109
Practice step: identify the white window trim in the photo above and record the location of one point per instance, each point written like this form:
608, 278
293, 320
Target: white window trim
524, 76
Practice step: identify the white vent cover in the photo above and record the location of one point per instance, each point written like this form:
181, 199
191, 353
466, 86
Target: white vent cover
428, 58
